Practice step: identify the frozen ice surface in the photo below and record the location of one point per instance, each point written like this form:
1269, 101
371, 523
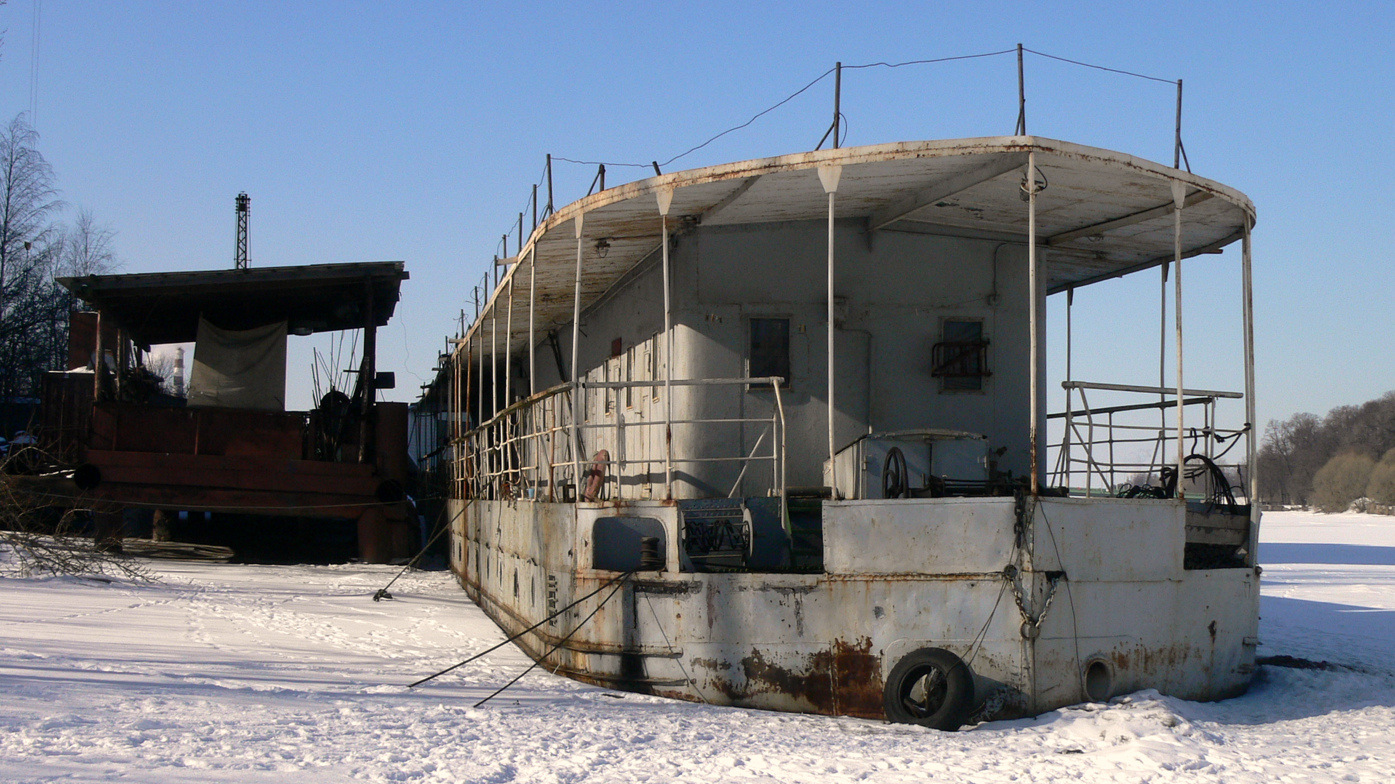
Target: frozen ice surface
227, 673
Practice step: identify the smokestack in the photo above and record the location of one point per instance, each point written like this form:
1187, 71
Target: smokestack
179, 372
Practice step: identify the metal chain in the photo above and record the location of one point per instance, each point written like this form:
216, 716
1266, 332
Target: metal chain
1031, 621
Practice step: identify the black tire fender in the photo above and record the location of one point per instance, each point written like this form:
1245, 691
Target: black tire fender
930, 687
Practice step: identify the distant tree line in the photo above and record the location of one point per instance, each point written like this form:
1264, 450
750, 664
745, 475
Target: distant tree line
36, 246
1333, 461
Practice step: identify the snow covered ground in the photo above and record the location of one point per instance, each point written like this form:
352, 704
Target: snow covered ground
224, 673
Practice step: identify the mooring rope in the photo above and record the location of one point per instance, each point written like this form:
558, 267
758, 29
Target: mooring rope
382, 593
621, 584
605, 585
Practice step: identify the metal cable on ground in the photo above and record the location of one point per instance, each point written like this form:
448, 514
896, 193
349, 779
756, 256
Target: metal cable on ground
520, 634
383, 592
621, 580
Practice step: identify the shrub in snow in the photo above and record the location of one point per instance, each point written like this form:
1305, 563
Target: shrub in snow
1380, 488
1341, 481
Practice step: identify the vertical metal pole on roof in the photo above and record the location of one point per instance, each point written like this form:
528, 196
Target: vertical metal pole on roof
520, 236
1033, 315
837, 99
829, 175
1021, 96
549, 184
532, 318
1252, 488
1179, 195
576, 370
665, 197
535, 206
1177, 139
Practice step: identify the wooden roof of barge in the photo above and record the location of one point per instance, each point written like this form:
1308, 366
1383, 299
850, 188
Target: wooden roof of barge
1102, 214
164, 307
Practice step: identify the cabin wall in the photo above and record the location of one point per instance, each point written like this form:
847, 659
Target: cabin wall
894, 290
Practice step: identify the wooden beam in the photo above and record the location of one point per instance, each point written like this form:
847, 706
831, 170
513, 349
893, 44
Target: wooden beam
902, 206
1153, 213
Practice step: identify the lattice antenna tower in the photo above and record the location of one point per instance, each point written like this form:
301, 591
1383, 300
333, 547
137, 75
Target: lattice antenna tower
244, 209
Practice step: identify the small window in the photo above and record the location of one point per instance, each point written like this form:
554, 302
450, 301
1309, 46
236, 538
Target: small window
960, 359
770, 349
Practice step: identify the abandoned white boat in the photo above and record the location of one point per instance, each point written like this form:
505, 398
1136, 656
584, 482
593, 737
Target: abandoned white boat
774, 434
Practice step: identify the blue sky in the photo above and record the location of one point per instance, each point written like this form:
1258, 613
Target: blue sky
413, 131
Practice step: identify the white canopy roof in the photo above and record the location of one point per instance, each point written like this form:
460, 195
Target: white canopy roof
1102, 214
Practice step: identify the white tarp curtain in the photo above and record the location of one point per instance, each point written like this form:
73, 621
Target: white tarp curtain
239, 368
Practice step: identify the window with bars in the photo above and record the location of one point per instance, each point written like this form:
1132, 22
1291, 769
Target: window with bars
960, 359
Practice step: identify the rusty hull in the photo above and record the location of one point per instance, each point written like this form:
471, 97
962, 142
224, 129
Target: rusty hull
825, 643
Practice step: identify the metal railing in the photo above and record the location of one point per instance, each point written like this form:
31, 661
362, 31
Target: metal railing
533, 449
1114, 445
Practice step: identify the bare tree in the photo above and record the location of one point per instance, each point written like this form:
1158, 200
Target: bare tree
29, 243
87, 247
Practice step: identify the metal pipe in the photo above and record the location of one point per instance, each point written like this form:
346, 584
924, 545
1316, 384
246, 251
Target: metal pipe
665, 197
837, 99
1250, 436
479, 332
1065, 439
493, 358
532, 317
1178, 196
1149, 390
829, 176
508, 347
1032, 293
1021, 96
549, 183
367, 374
784, 460
576, 370
1177, 143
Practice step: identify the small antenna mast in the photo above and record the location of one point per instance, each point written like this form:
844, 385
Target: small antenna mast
244, 209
